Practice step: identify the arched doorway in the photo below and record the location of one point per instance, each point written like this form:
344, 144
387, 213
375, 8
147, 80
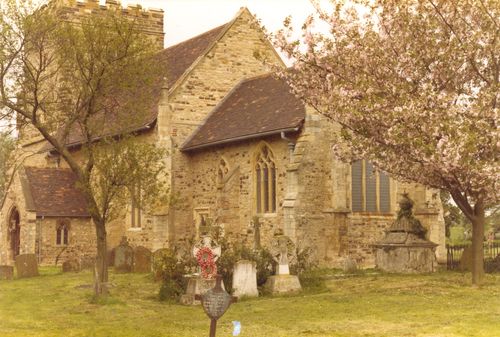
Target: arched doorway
14, 233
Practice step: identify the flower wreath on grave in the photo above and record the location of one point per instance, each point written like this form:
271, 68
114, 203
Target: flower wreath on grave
205, 258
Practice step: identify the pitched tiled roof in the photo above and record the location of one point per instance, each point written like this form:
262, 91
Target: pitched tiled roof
257, 107
53, 193
178, 58
173, 63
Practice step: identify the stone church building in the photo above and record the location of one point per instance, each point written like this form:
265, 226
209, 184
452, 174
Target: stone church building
244, 154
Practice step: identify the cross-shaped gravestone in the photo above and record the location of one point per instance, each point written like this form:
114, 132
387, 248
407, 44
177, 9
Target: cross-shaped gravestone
282, 250
207, 252
207, 242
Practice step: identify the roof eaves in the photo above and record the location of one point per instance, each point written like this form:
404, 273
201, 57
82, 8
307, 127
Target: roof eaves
63, 215
245, 137
143, 127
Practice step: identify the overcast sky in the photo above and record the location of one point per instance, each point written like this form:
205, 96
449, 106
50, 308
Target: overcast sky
187, 18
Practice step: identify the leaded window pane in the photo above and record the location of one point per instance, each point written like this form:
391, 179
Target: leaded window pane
371, 188
357, 186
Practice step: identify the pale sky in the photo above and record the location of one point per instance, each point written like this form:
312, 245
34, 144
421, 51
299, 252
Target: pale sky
188, 18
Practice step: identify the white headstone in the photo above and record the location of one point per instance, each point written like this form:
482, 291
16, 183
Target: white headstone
245, 279
283, 269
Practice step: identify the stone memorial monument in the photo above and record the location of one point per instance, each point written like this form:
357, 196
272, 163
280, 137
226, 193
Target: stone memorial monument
26, 265
142, 260
6, 272
71, 265
245, 279
198, 284
124, 257
405, 249
282, 249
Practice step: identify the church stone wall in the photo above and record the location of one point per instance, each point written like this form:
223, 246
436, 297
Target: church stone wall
232, 201
150, 21
231, 60
15, 200
81, 240
317, 208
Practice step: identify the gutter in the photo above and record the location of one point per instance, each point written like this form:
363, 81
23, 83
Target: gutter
76, 144
246, 137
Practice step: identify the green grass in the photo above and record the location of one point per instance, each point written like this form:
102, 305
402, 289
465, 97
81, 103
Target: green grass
366, 304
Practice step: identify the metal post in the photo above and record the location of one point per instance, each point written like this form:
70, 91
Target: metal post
213, 326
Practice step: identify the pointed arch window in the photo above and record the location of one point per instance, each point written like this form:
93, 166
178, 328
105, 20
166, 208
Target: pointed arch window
265, 181
62, 234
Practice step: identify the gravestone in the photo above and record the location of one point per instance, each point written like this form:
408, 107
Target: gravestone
6, 272
215, 302
124, 257
350, 265
198, 285
142, 260
71, 265
245, 279
466, 259
282, 250
111, 257
26, 265
157, 257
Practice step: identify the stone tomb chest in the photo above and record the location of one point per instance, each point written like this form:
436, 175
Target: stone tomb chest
404, 249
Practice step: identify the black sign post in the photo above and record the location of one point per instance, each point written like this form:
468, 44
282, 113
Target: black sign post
215, 302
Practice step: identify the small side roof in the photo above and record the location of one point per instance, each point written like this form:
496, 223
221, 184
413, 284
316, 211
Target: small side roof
256, 107
52, 192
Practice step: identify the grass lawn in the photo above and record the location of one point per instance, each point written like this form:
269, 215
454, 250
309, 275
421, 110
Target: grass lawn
442, 304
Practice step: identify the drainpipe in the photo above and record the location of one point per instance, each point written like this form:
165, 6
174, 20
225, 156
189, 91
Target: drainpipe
39, 237
291, 144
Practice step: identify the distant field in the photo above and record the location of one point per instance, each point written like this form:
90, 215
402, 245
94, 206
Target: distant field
442, 304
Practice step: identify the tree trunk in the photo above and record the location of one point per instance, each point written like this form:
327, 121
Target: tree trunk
477, 248
101, 261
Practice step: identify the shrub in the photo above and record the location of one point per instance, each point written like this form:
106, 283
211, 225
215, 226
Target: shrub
170, 268
171, 290
303, 261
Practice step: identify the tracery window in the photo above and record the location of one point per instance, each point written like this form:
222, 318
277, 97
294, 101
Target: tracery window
265, 181
370, 188
62, 234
